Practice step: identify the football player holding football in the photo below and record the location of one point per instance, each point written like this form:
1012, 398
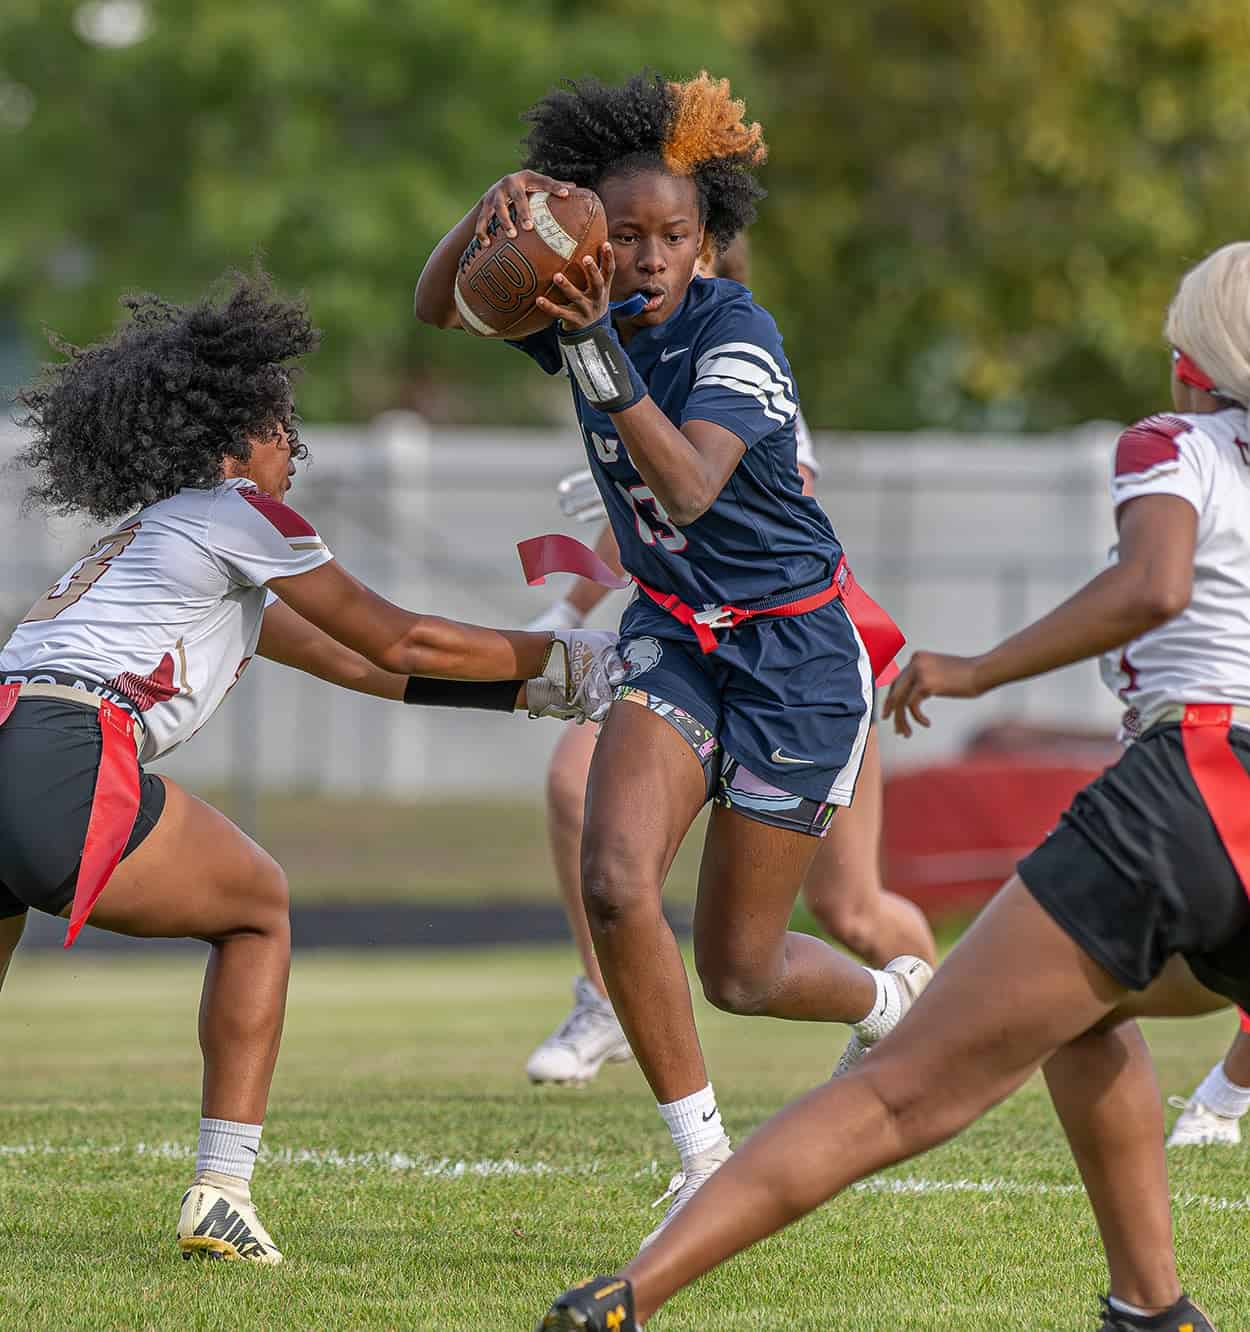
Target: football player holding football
752, 650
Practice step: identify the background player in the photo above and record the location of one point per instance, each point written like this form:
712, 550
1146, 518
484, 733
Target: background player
843, 888
186, 416
690, 434
1134, 906
1212, 1115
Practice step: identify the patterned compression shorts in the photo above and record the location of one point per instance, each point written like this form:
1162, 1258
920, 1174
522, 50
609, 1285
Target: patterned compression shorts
728, 782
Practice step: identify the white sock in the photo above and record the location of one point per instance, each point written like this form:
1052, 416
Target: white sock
228, 1148
885, 1012
694, 1122
1226, 1098
1120, 1307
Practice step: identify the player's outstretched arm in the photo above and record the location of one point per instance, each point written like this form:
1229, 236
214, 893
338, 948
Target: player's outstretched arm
1150, 583
686, 469
403, 643
434, 300
289, 639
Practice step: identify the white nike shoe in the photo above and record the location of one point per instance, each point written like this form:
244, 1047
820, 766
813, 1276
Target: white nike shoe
910, 975
579, 1047
218, 1220
1200, 1126
686, 1183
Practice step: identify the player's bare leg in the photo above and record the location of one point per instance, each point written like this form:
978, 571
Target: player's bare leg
590, 1035
843, 888
10, 933
197, 875
950, 1060
1104, 1089
566, 809
748, 959
646, 787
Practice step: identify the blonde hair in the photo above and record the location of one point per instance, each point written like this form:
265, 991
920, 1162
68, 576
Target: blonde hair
1209, 319
708, 124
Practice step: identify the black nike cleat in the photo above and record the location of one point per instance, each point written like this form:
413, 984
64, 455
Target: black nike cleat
1183, 1316
602, 1304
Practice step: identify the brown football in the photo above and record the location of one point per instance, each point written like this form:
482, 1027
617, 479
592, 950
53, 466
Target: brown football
497, 284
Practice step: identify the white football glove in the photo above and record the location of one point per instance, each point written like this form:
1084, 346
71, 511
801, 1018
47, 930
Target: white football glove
580, 498
580, 675
559, 615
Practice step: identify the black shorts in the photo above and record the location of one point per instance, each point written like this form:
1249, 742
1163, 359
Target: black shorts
49, 753
1136, 871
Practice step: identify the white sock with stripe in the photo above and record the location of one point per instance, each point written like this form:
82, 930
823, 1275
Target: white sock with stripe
228, 1148
886, 1009
694, 1122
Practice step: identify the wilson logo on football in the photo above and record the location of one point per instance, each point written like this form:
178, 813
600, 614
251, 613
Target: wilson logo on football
505, 281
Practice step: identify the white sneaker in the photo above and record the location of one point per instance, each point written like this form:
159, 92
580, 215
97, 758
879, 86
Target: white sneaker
1200, 1126
218, 1220
686, 1183
579, 1047
910, 976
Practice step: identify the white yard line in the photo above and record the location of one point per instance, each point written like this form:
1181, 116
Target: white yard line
454, 1168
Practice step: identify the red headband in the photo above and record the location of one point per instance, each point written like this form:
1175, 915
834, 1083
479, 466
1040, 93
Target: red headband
1189, 373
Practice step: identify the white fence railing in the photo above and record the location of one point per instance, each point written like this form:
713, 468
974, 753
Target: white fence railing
962, 539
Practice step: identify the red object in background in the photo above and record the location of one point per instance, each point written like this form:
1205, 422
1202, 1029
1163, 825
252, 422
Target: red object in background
954, 831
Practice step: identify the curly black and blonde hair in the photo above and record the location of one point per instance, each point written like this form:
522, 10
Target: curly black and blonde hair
162, 403
586, 131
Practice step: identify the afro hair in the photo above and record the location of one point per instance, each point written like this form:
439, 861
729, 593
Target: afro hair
163, 402
586, 131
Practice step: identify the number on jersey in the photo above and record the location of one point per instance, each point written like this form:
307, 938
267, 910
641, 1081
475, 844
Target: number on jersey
82, 577
656, 525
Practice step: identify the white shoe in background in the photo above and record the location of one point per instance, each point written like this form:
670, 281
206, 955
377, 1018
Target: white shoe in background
579, 1047
1200, 1126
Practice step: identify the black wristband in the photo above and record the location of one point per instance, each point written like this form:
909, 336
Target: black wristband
601, 366
493, 695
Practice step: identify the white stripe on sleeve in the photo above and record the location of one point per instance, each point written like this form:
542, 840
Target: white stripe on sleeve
748, 369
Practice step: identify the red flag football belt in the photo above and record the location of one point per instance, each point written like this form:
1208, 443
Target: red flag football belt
1221, 780
882, 637
115, 803
556, 553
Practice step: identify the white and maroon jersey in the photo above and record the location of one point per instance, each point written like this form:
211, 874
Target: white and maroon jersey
1203, 654
166, 610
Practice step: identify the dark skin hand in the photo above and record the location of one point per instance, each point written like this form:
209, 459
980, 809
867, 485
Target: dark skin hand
434, 299
1150, 583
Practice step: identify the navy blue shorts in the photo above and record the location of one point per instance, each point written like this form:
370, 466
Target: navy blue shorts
787, 703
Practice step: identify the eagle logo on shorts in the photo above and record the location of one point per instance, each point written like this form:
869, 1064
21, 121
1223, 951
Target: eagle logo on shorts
641, 655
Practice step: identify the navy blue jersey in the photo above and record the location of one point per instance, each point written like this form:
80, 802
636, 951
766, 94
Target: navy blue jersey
718, 358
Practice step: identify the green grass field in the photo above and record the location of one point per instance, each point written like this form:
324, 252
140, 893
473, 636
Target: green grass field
415, 1180
463, 851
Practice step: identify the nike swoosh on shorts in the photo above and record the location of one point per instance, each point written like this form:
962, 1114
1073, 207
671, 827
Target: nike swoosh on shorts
779, 757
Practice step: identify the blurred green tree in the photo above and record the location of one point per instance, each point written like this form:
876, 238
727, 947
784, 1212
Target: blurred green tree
150, 144
977, 210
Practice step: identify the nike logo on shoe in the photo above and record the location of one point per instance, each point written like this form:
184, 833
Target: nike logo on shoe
224, 1223
779, 757
668, 353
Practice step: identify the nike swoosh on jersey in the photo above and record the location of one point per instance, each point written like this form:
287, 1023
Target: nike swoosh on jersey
667, 354
779, 757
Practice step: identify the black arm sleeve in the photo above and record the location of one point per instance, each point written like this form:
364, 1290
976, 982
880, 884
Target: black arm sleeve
493, 695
